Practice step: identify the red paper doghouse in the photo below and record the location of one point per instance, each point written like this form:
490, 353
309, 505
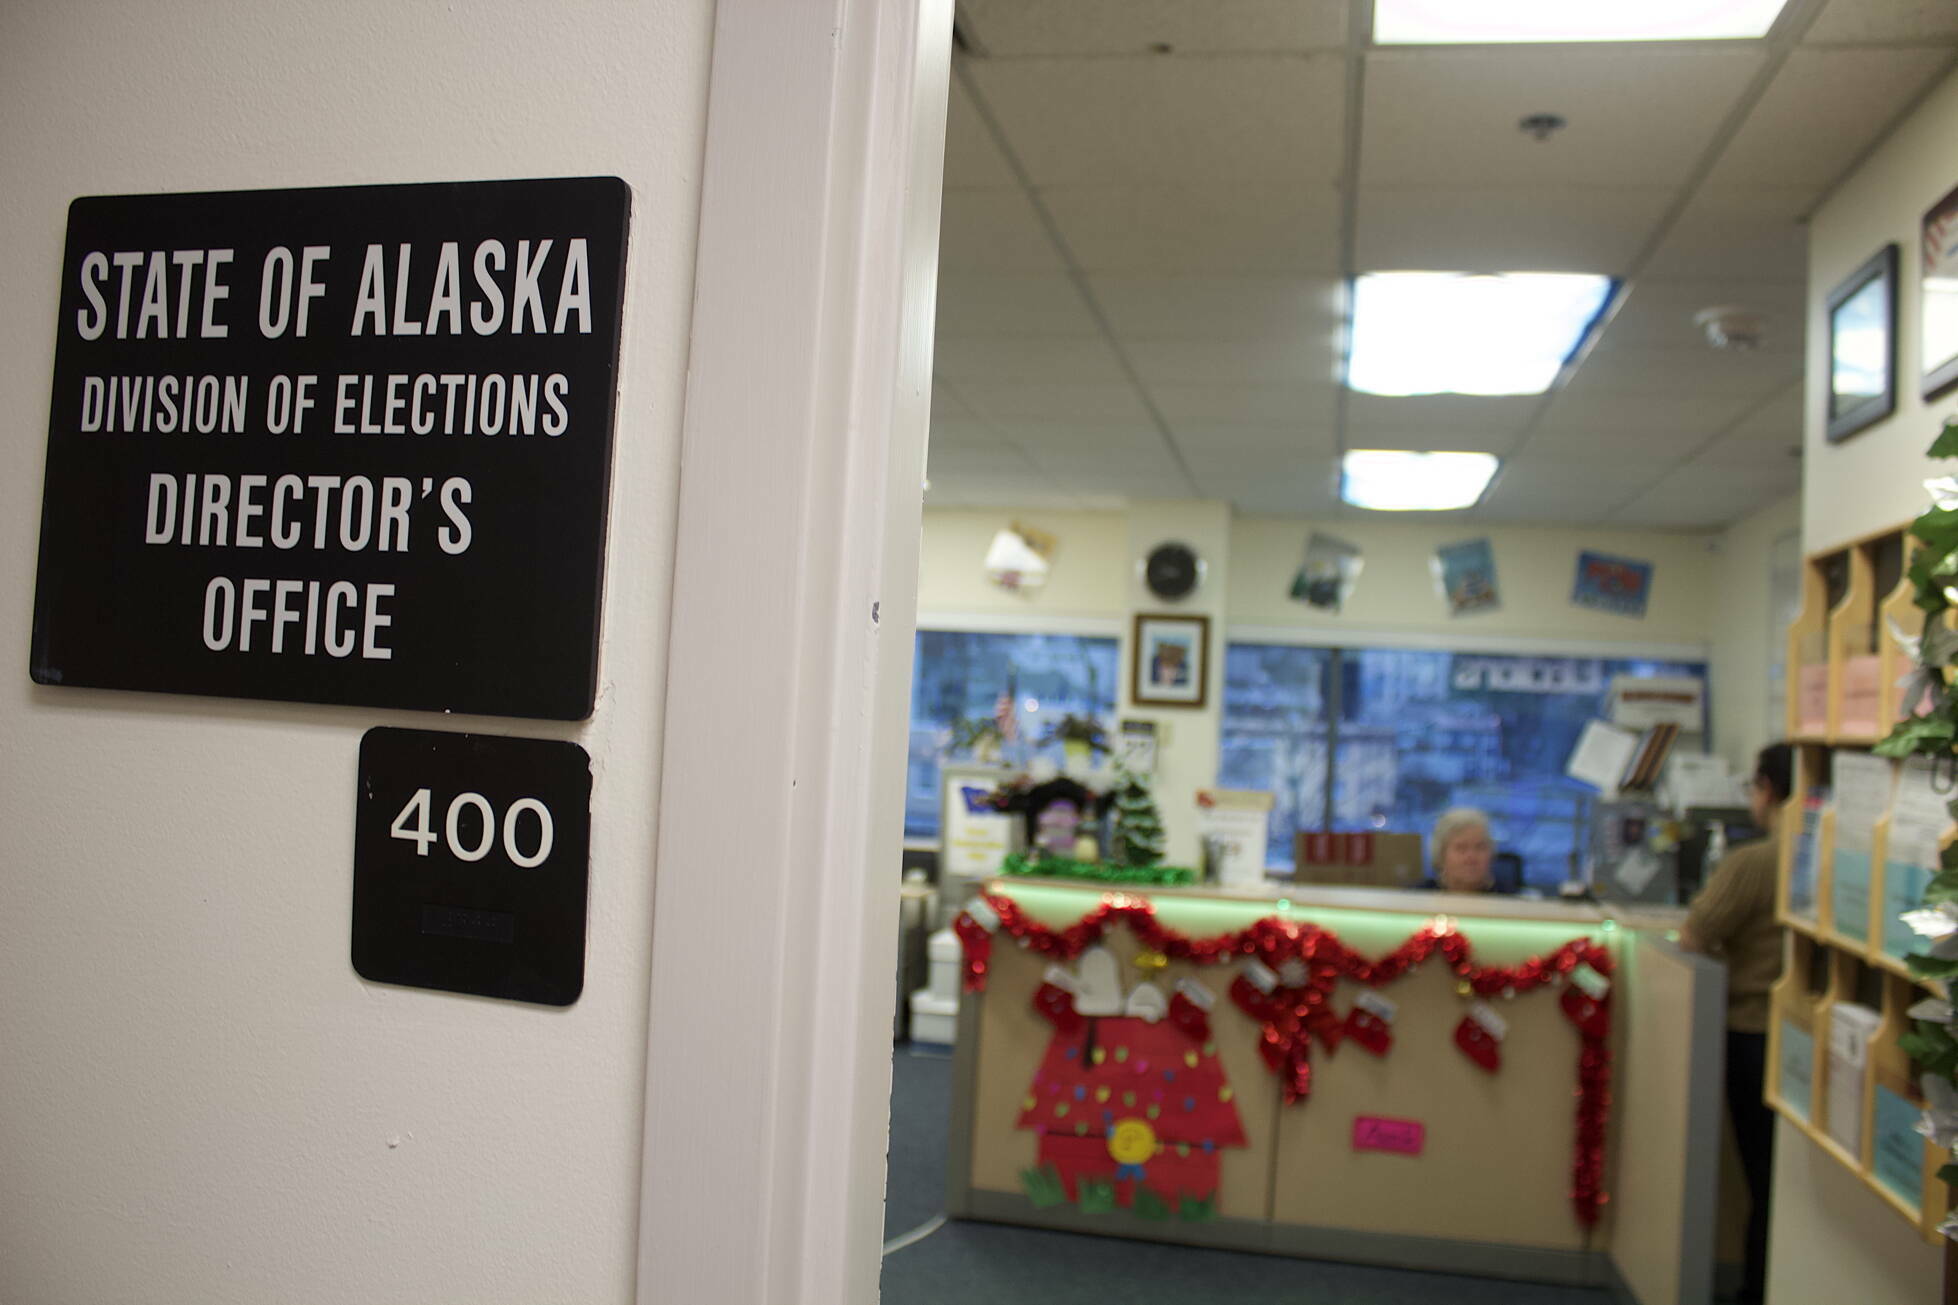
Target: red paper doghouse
1136, 1103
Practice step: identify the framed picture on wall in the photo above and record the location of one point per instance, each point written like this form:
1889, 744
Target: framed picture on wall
1863, 346
1169, 660
1938, 288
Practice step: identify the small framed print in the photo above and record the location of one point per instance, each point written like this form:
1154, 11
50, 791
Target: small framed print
1938, 289
1170, 660
1863, 346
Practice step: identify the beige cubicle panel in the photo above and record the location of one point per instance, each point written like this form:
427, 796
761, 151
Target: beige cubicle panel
1667, 1136
1496, 1167
1490, 1192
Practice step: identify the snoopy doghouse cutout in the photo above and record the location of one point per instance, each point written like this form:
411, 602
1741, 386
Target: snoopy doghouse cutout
1131, 1103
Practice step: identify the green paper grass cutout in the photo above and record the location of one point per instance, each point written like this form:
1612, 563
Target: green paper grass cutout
1197, 1209
1094, 1195
1149, 1205
1092, 872
1043, 1187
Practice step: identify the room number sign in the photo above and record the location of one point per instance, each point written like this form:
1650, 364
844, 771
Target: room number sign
470, 863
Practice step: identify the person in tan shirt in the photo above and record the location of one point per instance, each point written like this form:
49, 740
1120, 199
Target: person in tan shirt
1732, 917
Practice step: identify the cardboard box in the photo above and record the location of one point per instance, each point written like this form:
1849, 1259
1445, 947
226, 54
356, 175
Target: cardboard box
1360, 860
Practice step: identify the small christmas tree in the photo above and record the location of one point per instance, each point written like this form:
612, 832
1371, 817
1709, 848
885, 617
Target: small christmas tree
1138, 835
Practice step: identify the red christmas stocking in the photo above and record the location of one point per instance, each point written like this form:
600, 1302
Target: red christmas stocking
1057, 1004
1480, 1035
1590, 1014
1371, 1022
1189, 1010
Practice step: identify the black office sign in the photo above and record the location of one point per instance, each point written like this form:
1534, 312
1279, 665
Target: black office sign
471, 854
348, 445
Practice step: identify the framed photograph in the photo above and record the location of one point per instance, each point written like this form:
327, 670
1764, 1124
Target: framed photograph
1170, 660
1938, 287
1863, 346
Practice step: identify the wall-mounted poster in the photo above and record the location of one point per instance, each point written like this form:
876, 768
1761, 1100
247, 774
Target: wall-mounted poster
1466, 574
1617, 585
1327, 575
1938, 262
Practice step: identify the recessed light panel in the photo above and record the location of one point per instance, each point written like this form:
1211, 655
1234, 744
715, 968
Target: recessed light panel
1457, 333
1493, 22
1400, 480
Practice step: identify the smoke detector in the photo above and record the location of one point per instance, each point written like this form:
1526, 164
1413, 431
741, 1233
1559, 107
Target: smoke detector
1729, 327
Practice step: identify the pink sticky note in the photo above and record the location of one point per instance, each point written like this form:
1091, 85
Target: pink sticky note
1379, 1133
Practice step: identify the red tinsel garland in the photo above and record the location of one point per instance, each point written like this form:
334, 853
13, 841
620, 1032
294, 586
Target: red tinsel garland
1311, 960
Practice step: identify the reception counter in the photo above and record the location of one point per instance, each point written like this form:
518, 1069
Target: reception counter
1537, 1097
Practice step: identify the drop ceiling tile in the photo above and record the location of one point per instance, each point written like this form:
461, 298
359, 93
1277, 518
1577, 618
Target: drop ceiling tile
1376, 413
1636, 118
1249, 466
972, 304
994, 231
1068, 360
1535, 474
1738, 233
944, 462
1702, 496
1272, 361
1254, 227
1136, 484
1776, 458
972, 156
1657, 445
1032, 490
1778, 418
1154, 121
1703, 371
1506, 229
1823, 109
1307, 492
1034, 435
1885, 20
1433, 438
1659, 314
947, 402
1200, 440
1048, 402
1256, 308
1005, 28
1096, 469
963, 432
1585, 406
1245, 404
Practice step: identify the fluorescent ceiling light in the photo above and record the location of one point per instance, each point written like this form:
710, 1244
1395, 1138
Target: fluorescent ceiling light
1457, 333
1477, 22
1396, 480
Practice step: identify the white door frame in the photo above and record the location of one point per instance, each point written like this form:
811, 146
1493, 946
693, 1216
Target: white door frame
789, 672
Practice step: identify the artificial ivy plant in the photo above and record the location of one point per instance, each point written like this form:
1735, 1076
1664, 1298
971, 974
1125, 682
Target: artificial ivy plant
1933, 734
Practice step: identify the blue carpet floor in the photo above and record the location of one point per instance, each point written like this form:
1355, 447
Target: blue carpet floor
993, 1264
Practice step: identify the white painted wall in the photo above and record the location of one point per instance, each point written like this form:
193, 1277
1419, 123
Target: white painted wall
1870, 482
202, 1101
1088, 578
1744, 634
1536, 569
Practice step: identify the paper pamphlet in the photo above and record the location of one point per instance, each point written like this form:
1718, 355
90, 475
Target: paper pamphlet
1601, 757
1862, 793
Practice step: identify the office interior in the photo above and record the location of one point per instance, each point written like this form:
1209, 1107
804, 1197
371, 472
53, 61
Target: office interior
1150, 221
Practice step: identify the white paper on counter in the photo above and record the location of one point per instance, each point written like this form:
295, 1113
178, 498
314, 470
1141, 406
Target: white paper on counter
1863, 785
1601, 757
